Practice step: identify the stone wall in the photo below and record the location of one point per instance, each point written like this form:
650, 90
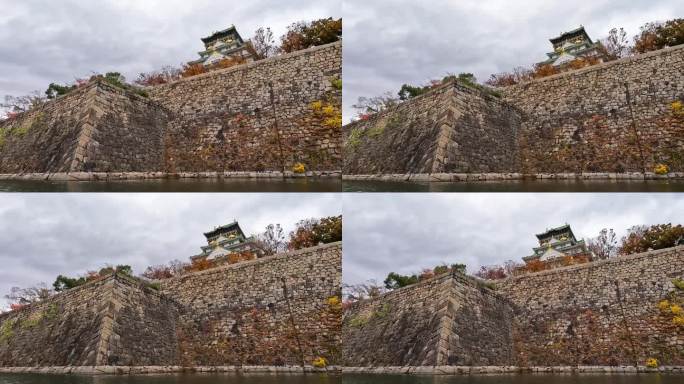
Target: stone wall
450, 319
601, 313
277, 310
112, 321
451, 129
614, 117
257, 116
98, 128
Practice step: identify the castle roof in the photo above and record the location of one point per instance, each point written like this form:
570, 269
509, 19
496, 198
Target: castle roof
224, 228
223, 33
570, 34
555, 231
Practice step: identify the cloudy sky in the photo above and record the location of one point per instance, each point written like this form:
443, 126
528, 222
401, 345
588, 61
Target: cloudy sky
408, 232
44, 235
391, 42
45, 41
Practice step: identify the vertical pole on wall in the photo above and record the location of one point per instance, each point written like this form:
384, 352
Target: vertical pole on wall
275, 125
292, 322
637, 140
625, 324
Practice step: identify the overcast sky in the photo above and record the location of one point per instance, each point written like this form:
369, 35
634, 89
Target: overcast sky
44, 235
391, 42
408, 232
45, 41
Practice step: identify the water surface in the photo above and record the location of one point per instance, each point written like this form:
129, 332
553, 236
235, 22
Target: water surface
518, 186
171, 379
176, 185
652, 378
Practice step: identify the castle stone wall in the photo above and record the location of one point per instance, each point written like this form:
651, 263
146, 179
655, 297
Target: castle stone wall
451, 129
447, 320
97, 128
107, 322
257, 116
600, 313
613, 117
277, 310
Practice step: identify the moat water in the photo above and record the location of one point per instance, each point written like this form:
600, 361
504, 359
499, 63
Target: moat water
518, 186
514, 379
171, 379
176, 185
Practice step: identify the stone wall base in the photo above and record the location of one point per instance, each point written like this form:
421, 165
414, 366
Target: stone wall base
471, 177
116, 176
498, 370
145, 370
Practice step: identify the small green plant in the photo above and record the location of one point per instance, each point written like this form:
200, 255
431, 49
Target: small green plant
376, 130
358, 321
7, 330
33, 320
51, 312
155, 286
354, 138
679, 284
336, 83
383, 311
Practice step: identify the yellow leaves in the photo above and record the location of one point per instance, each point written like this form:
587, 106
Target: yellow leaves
676, 309
664, 305
333, 122
320, 362
330, 114
661, 169
299, 168
316, 106
678, 321
333, 301
652, 363
677, 107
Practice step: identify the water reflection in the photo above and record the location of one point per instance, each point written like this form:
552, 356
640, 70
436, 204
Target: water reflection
519, 186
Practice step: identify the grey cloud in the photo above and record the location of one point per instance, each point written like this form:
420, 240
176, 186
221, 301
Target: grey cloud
57, 41
391, 42
44, 235
408, 232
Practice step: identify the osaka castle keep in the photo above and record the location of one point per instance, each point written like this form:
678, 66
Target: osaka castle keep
573, 45
225, 44
556, 244
226, 240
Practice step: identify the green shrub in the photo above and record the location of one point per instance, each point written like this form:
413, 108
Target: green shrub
7, 330
336, 83
354, 138
358, 321
679, 284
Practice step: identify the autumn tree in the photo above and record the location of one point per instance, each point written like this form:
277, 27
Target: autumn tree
312, 232
643, 238
654, 36
262, 45
165, 271
20, 297
272, 240
19, 104
368, 290
616, 45
164, 75
491, 272
375, 104
302, 35
604, 245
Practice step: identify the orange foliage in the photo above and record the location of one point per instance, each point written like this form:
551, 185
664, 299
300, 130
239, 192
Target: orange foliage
228, 62
199, 264
193, 70
241, 256
16, 306
544, 71
536, 266
426, 274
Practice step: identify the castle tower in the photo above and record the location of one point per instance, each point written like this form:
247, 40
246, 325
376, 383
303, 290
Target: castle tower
225, 44
572, 45
557, 243
227, 239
